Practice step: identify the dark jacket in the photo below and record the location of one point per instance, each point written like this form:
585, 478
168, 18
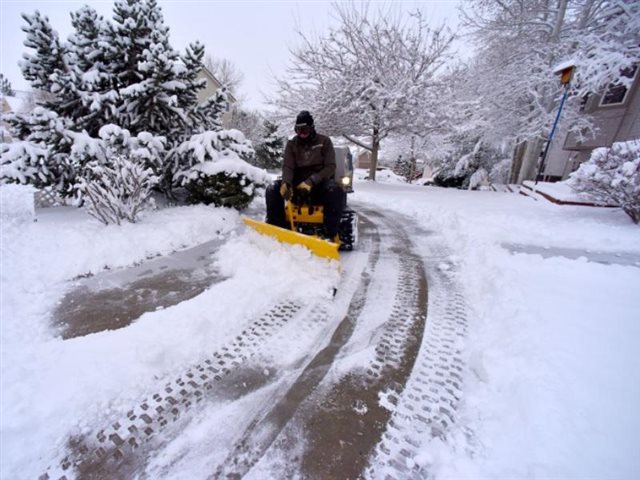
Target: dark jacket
312, 159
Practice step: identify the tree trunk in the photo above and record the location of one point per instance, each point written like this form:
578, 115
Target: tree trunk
562, 10
412, 169
375, 144
516, 162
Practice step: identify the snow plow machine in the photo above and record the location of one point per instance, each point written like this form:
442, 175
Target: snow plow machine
305, 220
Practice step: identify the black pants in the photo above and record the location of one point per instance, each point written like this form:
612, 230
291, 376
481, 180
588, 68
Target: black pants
328, 194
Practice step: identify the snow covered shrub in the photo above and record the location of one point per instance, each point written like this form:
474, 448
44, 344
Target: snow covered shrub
500, 171
215, 171
447, 178
21, 162
223, 189
479, 179
612, 176
116, 190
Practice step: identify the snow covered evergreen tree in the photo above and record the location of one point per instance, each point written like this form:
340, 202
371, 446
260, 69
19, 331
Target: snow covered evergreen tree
124, 74
612, 177
42, 68
91, 59
5, 86
270, 151
403, 168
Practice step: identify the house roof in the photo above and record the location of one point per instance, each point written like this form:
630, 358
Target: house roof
217, 82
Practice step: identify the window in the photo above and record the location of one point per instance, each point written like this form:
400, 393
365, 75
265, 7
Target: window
617, 93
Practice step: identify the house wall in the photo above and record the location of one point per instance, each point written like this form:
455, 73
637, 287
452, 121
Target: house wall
210, 89
614, 123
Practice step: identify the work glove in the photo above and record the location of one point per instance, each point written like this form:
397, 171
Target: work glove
304, 186
285, 191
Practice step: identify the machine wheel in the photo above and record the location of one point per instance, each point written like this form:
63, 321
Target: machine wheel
348, 230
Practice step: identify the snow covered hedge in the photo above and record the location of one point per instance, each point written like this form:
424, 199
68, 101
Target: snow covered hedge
612, 176
214, 169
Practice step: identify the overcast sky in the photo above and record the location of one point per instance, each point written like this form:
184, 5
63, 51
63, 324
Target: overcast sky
254, 35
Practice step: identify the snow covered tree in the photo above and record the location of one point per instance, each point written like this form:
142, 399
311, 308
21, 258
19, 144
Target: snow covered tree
612, 177
48, 62
368, 78
403, 168
519, 42
5, 86
94, 97
122, 74
270, 151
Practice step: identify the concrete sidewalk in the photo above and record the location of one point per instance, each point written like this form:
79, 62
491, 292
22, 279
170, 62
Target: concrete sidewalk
114, 299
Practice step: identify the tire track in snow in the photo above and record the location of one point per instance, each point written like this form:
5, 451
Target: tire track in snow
263, 430
427, 407
343, 422
114, 449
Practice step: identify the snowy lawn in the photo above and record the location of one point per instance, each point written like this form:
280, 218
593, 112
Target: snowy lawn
553, 386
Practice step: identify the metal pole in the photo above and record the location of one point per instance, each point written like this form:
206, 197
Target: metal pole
553, 130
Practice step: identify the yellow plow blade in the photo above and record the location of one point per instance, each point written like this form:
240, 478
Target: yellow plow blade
322, 248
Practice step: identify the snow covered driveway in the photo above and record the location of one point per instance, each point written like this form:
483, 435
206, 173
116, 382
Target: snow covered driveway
319, 412
524, 365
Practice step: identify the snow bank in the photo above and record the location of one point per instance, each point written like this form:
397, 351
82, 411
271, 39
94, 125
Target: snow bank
17, 203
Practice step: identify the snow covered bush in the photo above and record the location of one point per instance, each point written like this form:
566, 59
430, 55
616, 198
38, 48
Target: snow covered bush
21, 162
212, 167
500, 171
479, 179
467, 164
116, 190
207, 184
612, 176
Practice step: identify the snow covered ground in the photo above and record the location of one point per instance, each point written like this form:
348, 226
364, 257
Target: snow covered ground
552, 386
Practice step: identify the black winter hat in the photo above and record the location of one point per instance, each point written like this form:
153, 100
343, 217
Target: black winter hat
303, 119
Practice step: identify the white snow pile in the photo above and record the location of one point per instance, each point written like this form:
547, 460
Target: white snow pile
383, 175
17, 203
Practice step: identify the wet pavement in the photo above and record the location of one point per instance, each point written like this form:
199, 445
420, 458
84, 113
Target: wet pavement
608, 258
114, 299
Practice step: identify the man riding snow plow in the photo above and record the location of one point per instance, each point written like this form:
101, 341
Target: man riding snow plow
308, 206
